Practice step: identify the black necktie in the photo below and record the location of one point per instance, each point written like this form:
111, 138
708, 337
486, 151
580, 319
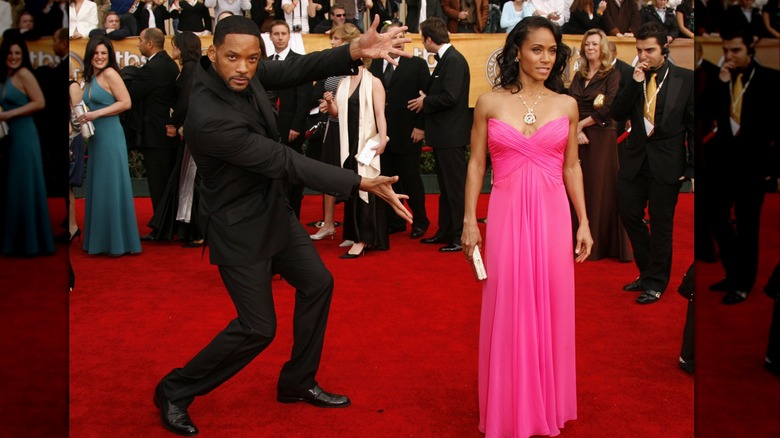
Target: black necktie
275, 57
436, 57
388, 73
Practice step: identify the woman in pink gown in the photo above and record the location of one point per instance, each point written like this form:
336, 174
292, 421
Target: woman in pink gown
527, 379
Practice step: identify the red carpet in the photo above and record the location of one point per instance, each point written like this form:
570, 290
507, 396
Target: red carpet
401, 342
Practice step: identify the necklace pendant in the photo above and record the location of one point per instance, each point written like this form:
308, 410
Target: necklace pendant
529, 118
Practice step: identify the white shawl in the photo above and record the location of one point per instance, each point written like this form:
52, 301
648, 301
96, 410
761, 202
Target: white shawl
366, 124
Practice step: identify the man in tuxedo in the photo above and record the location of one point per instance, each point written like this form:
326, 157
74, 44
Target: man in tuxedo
292, 106
250, 228
406, 130
418, 11
739, 159
445, 103
657, 157
153, 93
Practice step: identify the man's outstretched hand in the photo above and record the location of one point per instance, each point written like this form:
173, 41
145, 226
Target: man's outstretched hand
382, 186
377, 45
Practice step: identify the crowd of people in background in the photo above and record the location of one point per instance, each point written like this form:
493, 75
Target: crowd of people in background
618, 200
461, 16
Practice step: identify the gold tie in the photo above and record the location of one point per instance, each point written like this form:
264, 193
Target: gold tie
650, 101
736, 99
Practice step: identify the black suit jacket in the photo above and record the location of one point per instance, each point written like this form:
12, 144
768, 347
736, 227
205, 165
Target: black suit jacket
293, 106
408, 79
153, 94
669, 151
142, 17
747, 152
118, 34
648, 13
446, 105
243, 167
433, 9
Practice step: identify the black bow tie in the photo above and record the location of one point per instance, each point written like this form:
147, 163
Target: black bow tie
436, 57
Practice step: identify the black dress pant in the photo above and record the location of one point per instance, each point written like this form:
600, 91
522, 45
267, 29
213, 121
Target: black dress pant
159, 163
255, 327
407, 167
451, 175
652, 245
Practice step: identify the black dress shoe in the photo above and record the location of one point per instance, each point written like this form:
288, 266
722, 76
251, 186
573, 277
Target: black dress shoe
634, 286
721, 286
150, 236
174, 417
417, 232
314, 396
451, 248
433, 240
649, 296
735, 296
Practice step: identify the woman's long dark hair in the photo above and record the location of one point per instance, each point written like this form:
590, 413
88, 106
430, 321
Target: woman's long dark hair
509, 68
189, 46
89, 53
13, 39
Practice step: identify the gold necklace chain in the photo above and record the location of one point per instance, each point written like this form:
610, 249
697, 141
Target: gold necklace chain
530, 117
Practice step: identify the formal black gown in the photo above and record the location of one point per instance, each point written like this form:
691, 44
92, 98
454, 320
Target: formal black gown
363, 222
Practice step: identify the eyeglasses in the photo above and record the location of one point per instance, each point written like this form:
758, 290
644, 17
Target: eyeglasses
339, 15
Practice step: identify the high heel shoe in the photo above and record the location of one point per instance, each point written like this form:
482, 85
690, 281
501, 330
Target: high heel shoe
326, 231
349, 255
67, 237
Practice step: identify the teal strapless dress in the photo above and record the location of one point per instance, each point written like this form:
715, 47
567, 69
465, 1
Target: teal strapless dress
110, 225
27, 227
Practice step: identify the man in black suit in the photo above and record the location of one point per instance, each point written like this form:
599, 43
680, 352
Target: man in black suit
152, 13
52, 80
626, 71
657, 157
739, 159
292, 105
153, 93
415, 15
250, 228
445, 103
406, 130
112, 28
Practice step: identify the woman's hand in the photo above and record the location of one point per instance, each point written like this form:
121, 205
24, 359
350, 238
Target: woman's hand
584, 243
470, 238
170, 130
87, 117
582, 138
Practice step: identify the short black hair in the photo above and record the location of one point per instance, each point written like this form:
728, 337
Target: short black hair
235, 24
436, 29
653, 29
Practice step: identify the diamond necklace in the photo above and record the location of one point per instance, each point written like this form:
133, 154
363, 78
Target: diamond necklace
530, 117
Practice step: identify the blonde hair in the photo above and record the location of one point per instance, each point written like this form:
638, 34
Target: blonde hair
346, 32
606, 54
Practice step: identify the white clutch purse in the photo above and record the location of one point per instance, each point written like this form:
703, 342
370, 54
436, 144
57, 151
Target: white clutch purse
478, 264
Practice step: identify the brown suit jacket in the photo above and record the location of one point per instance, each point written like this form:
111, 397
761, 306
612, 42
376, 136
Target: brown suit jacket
452, 8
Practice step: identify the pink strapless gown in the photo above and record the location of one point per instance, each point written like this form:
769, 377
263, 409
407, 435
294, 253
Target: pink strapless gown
527, 376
